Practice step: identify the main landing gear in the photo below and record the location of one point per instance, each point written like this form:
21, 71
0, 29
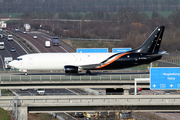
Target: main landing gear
88, 72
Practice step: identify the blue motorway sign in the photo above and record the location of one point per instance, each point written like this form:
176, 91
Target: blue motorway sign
92, 50
120, 50
165, 78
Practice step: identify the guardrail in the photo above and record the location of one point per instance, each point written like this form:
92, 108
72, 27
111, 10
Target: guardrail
96, 100
71, 78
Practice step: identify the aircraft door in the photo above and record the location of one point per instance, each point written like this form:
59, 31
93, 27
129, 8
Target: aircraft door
30, 60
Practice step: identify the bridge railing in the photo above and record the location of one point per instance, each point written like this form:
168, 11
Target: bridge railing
116, 99
71, 78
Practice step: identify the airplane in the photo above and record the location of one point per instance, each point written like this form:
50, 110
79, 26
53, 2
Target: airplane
74, 62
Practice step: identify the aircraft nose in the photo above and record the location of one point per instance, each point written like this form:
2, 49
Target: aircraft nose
11, 64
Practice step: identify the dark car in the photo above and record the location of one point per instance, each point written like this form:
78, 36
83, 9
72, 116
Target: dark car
13, 49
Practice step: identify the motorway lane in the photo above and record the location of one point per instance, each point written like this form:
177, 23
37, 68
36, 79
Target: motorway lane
40, 42
7, 51
63, 46
169, 116
30, 92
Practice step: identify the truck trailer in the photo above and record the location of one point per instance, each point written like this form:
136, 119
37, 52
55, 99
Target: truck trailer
27, 27
7, 60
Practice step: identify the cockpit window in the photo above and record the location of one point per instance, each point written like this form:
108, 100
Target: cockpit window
18, 59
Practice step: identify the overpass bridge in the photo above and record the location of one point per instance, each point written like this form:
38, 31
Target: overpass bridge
71, 81
72, 103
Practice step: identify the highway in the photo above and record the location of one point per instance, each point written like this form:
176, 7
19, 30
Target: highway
32, 92
40, 42
7, 51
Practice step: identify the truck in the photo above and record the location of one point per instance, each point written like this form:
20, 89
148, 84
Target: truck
27, 27
7, 60
9, 37
2, 45
55, 40
3, 25
47, 44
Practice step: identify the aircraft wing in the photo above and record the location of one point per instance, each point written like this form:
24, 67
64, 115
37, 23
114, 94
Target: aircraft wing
90, 66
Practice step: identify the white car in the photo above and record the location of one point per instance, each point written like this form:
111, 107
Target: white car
23, 89
16, 29
35, 36
10, 37
24, 32
41, 91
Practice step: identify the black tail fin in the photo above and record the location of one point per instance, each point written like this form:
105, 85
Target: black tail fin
152, 44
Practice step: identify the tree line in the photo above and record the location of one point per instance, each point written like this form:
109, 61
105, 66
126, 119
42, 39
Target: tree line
129, 25
55, 6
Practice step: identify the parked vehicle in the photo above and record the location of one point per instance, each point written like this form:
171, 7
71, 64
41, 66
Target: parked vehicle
7, 60
90, 114
123, 116
55, 40
47, 44
78, 114
2, 45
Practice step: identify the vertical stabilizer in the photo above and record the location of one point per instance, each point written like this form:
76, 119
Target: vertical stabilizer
152, 44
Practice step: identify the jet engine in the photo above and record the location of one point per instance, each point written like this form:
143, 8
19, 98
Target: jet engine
70, 69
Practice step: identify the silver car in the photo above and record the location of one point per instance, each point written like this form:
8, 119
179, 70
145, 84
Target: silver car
13, 49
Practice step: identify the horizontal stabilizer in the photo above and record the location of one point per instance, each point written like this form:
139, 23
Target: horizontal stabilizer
159, 54
163, 52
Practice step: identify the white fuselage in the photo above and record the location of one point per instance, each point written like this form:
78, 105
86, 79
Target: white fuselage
57, 61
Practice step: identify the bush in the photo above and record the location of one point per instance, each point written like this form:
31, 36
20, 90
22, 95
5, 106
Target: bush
4, 115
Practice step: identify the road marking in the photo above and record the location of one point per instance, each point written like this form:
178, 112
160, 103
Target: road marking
63, 49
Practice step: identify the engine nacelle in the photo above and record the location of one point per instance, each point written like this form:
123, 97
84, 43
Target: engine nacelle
70, 69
